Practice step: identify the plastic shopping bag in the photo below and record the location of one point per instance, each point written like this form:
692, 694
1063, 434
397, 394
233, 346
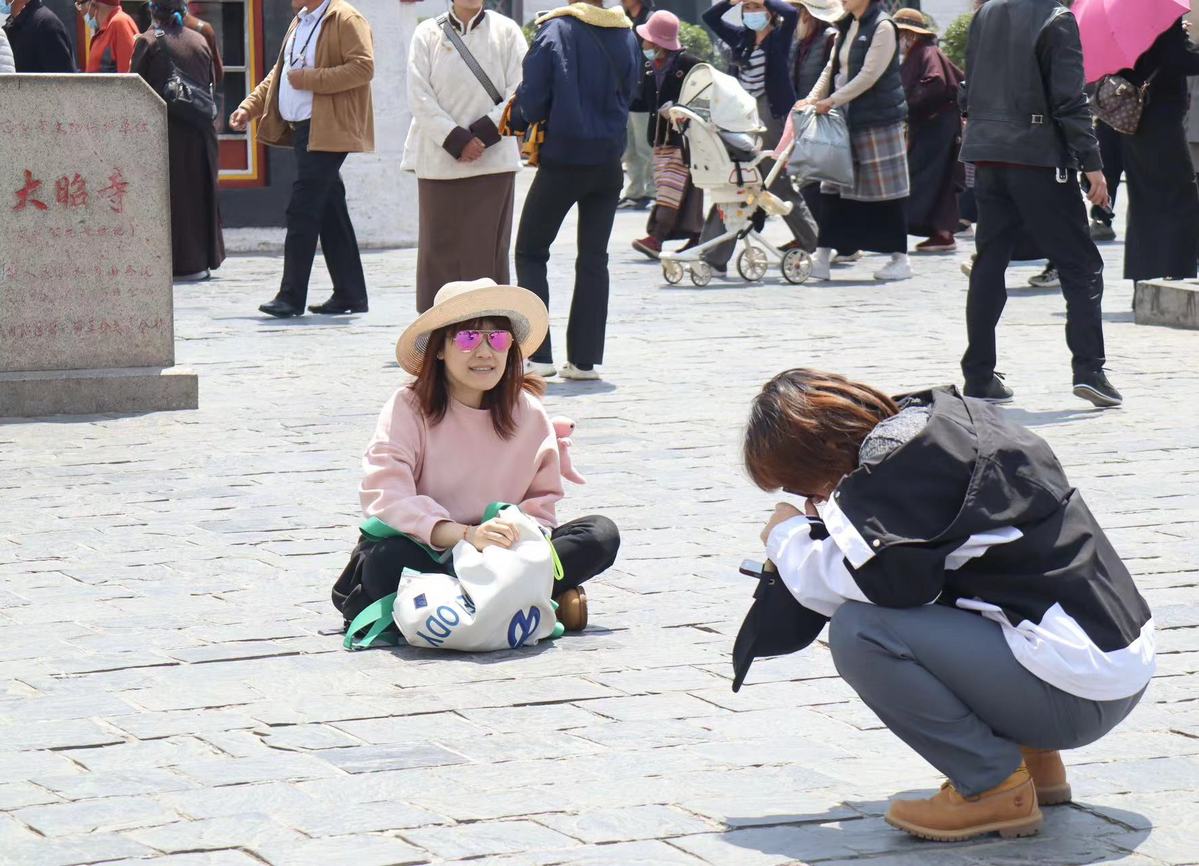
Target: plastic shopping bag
822, 149
499, 598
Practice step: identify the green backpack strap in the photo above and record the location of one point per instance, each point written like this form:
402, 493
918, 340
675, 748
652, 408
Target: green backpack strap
376, 619
377, 529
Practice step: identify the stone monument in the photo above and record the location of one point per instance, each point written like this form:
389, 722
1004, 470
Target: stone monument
86, 306
1174, 303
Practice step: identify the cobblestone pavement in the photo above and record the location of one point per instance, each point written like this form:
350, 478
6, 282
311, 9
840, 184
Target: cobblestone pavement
172, 685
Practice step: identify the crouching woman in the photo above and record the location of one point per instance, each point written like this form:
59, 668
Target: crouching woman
976, 605
469, 431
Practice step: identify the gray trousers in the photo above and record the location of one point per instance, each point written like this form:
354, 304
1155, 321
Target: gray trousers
638, 158
945, 682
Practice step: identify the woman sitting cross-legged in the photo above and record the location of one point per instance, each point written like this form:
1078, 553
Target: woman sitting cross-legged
468, 432
976, 605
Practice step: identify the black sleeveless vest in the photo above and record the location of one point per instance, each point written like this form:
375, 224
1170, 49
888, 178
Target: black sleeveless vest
883, 104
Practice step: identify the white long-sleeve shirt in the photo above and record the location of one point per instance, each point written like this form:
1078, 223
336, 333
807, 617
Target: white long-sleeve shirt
300, 53
6, 59
444, 94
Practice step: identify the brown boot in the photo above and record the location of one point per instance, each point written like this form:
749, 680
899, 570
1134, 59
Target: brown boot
1009, 809
572, 609
1048, 774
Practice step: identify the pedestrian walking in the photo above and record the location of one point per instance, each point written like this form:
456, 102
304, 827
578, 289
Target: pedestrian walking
814, 38
469, 431
113, 33
38, 38
1111, 151
585, 120
639, 189
761, 47
317, 101
1029, 131
197, 242
678, 212
978, 608
1162, 237
931, 83
862, 78
466, 173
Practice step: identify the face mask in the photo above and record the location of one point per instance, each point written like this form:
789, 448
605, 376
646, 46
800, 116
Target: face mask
5, 10
755, 20
91, 22
650, 53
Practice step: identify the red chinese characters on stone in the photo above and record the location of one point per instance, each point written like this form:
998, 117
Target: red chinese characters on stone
27, 195
71, 191
115, 191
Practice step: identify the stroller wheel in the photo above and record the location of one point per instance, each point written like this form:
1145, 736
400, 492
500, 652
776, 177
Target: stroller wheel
752, 264
672, 272
701, 274
797, 266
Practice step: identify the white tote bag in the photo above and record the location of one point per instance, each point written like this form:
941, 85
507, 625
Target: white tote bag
500, 598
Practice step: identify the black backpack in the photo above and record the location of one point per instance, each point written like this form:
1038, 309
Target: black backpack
186, 99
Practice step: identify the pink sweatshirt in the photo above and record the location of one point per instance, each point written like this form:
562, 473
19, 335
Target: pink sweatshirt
417, 474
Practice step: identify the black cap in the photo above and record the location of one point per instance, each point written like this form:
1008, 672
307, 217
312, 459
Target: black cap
776, 625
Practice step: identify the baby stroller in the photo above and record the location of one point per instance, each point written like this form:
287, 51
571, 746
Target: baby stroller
723, 131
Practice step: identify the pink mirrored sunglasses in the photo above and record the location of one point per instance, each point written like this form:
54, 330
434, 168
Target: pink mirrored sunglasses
468, 341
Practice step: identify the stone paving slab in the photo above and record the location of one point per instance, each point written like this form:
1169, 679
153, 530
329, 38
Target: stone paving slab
172, 683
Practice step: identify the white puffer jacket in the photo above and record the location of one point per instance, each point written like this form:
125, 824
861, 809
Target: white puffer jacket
6, 61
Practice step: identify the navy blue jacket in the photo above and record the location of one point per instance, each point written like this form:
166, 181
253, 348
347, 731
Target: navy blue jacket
39, 40
581, 93
780, 91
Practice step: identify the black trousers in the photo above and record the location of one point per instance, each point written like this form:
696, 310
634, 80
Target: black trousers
555, 190
318, 209
587, 547
1111, 149
1010, 202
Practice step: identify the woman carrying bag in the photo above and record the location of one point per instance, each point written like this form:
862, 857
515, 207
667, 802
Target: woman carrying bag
976, 605
463, 67
468, 432
862, 79
678, 212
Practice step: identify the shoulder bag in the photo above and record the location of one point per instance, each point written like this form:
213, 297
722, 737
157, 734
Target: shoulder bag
1119, 103
186, 98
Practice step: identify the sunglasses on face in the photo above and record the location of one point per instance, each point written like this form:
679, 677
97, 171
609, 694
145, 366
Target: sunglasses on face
468, 341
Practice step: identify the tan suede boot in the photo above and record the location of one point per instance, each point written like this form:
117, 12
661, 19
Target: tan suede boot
572, 609
1009, 809
1048, 774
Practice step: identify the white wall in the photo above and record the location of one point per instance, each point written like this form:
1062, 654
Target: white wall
944, 11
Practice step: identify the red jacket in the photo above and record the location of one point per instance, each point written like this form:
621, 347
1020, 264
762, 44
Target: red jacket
111, 49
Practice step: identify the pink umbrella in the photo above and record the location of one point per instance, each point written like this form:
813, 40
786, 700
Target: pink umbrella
1116, 32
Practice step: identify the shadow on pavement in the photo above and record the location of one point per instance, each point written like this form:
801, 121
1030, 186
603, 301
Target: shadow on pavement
1053, 416
576, 388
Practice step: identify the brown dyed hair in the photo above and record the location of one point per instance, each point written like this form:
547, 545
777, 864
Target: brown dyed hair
806, 427
433, 392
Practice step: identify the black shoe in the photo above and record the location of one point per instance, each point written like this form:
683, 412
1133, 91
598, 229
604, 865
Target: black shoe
281, 309
336, 306
993, 391
1096, 388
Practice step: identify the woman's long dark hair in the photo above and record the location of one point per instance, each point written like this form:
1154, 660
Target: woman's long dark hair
806, 428
433, 393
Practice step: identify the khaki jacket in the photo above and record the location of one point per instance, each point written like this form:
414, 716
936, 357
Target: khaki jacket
343, 118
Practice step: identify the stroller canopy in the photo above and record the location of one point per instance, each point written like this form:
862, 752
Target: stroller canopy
721, 99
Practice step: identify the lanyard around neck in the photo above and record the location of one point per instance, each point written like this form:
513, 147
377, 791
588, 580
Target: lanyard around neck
291, 56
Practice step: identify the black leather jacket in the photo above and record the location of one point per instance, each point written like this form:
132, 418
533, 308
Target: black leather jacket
1024, 96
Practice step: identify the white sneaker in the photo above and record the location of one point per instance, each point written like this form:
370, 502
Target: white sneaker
570, 371
820, 268
848, 258
543, 370
897, 269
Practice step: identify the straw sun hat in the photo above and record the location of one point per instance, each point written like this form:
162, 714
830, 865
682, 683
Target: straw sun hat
467, 300
913, 21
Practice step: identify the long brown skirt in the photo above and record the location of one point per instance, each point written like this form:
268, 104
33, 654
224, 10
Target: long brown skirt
465, 232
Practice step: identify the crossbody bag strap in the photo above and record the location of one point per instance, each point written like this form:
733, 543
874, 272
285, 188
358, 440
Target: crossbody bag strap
443, 21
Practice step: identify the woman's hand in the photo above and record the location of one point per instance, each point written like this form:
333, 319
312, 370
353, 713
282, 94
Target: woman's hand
496, 532
801, 104
823, 106
783, 512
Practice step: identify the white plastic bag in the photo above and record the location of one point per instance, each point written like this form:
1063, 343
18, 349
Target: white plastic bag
500, 598
822, 148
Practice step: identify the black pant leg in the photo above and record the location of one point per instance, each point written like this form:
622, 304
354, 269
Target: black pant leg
995, 237
1111, 151
587, 547
374, 570
1055, 215
339, 244
316, 173
552, 194
588, 323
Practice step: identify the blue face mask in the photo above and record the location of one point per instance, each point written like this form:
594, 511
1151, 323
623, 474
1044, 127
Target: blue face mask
755, 20
5, 10
91, 22
650, 53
